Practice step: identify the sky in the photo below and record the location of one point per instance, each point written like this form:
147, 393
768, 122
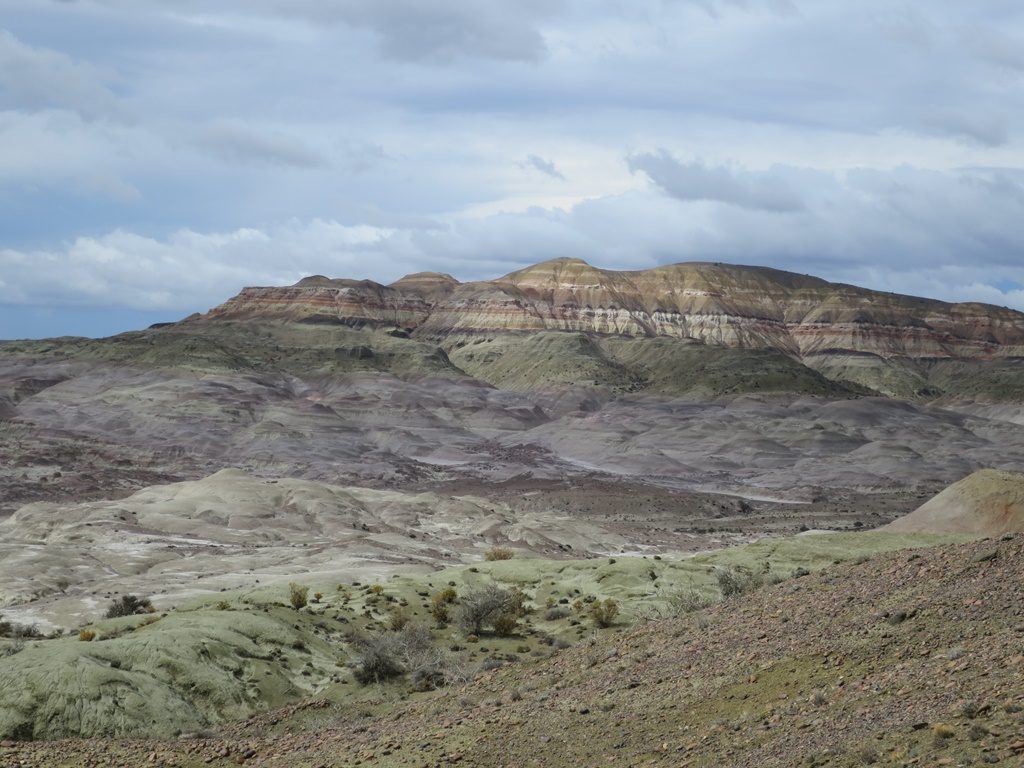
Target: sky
156, 156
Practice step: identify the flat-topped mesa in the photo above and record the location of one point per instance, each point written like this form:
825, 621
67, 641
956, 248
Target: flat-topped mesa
736, 306
322, 300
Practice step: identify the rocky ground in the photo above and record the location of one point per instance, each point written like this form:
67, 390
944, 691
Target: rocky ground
921, 666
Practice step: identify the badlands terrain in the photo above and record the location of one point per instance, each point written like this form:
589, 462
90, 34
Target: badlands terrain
800, 498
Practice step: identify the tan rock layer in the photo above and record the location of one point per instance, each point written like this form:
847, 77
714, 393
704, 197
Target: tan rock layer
749, 307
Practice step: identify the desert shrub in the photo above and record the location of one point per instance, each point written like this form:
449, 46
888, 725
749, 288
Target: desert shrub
482, 606
683, 601
86, 635
556, 613
604, 613
298, 595
505, 625
129, 605
376, 589
390, 655
17, 631
737, 579
518, 603
318, 596
379, 659
440, 604
397, 619
499, 553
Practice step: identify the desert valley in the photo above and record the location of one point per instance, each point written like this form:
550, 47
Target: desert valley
695, 515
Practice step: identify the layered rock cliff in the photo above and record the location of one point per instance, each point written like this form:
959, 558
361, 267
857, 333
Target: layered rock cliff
719, 304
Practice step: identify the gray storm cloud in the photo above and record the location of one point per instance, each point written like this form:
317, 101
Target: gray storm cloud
222, 144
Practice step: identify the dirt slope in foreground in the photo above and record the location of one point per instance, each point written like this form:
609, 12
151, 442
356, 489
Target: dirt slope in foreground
908, 659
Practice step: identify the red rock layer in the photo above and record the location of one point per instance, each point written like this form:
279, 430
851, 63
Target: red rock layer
736, 306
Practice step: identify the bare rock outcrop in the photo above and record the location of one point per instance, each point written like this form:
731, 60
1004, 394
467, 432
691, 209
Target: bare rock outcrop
719, 304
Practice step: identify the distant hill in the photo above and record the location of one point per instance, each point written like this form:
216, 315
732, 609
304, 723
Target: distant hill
699, 330
896, 345
988, 503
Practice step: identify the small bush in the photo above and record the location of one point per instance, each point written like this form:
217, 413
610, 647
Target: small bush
376, 589
298, 595
129, 605
604, 613
379, 659
86, 635
682, 601
397, 619
505, 625
499, 553
483, 606
390, 655
737, 579
440, 603
16, 631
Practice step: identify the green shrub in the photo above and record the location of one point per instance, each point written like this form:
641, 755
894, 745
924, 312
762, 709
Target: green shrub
483, 606
298, 595
683, 601
379, 659
737, 579
129, 605
604, 613
440, 603
505, 625
18, 631
391, 655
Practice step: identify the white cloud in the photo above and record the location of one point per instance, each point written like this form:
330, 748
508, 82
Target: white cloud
34, 78
872, 143
954, 236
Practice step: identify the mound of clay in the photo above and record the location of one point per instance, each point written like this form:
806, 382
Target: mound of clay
987, 503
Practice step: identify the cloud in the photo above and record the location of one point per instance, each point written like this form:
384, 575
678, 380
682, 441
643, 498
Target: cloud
868, 142
546, 167
954, 236
766, 191
996, 47
716, 8
363, 156
36, 78
235, 143
989, 131
441, 31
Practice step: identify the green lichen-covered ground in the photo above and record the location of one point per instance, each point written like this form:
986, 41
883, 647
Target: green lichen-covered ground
909, 658
161, 675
